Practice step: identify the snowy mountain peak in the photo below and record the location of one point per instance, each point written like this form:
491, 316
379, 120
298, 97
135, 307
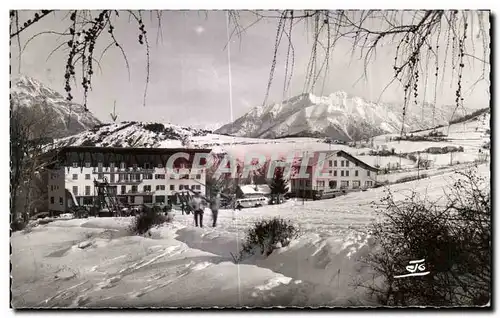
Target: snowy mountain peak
70, 118
338, 116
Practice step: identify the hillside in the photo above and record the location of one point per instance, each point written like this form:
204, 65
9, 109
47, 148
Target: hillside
70, 118
133, 134
337, 116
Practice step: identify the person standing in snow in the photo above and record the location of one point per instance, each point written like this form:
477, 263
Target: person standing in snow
214, 206
197, 206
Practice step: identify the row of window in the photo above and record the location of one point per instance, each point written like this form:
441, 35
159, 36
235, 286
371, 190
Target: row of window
343, 184
343, 163
123, 165
135, 176
146, 188
345, 173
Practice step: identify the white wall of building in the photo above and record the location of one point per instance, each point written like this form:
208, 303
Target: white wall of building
160, 182
336, 168
56, 190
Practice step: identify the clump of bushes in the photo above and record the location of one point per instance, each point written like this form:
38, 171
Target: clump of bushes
451, 239
267, 235
430, 137
155, 127
443, 150
149, 217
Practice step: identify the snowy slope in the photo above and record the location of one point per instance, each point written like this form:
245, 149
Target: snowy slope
95, 263
70, 117
133, 134
338, 116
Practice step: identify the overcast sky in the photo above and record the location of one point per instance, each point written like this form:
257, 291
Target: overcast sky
189, 77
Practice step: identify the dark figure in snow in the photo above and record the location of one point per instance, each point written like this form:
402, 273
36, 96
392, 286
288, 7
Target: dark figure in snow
197, 207
214, 206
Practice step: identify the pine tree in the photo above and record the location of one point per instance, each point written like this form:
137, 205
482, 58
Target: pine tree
279, 186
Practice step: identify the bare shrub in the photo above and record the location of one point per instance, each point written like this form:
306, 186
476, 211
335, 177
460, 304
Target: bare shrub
267, 235
453, 238
149, 218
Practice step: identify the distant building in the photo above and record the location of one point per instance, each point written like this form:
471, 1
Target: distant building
252, 190
334, 170
135, 175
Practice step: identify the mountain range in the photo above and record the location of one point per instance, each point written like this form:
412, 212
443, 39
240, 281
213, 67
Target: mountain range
70, 118
338, 116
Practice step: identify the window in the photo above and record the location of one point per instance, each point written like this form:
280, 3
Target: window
186, 176
192, 187
334, 173
75, 190
341, 173
51, 188
51, 200
329, 163
160, 187
344, 184
147, 165
172, 187
75, 176
112, 177
335, 163
368, 172
87, 190
148, 176
347, 163
160, 199
124, 189
181, 187
147, 199
320, 184
159, 176
132, 199
341, 163
61, 202
75, 164
147, 188
355, 184
332, 184
198, 187
347, 173
356, 173
134, 189
100, 176
368, 183
87, 176
137, 177
87, 164
198, 176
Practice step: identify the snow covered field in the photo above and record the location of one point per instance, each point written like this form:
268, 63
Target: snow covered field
95, 263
